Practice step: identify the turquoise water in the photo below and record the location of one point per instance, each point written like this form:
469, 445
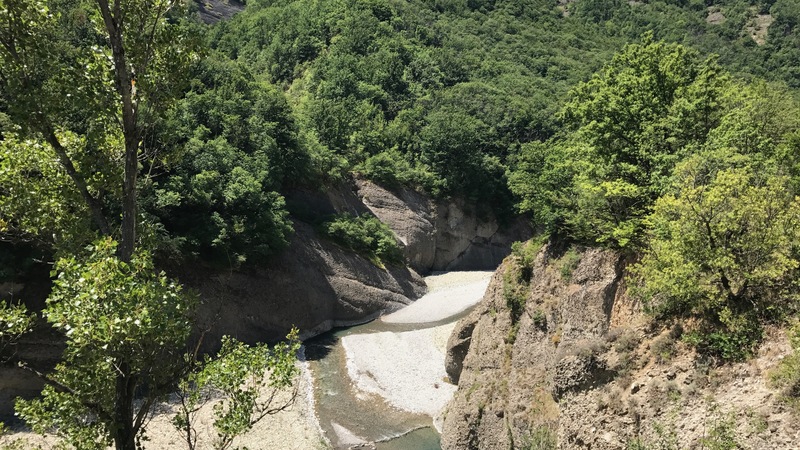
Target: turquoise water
423, 439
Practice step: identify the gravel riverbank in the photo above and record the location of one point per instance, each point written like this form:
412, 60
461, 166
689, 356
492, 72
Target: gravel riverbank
407, 368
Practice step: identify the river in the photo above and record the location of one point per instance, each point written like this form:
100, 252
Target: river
384, 381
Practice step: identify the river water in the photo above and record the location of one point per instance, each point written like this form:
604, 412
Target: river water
384, 381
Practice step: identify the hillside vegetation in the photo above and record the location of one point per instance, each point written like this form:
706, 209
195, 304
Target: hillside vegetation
448, 97
665, 129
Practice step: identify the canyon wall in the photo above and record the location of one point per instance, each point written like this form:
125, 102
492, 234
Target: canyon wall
558, 353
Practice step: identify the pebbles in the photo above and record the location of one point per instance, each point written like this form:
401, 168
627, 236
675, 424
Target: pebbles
407, 368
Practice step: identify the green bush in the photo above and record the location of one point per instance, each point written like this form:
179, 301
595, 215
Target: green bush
515, 295
568, 263
723, 250
518, 276
366, 235
540, 438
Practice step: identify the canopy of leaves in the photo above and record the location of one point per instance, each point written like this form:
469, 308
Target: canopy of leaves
364, 234
121, 320
440, 95
629, 125
232, 144
724, 248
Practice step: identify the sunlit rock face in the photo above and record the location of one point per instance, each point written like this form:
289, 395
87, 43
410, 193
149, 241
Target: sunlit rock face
212, 11
442, 235
583, 366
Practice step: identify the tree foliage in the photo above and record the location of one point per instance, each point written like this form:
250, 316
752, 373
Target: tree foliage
631, 123
244, 382
83, 86
232, 145
364, 234
126, 326
724, 249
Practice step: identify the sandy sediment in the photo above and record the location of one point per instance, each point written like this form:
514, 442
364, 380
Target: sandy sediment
449, 295
407, 368
293, 428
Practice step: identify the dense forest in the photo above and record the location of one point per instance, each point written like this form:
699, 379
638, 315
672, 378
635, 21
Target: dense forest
450, 98
667, 129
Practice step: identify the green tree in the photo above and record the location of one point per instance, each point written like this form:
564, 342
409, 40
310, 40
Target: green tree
235, 379
231, 144
124, 323
126, 329
55, 78
80, 83
723, 249
81, 77
628, 126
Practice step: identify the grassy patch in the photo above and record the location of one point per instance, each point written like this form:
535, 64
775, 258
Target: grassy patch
568, 263
786, 376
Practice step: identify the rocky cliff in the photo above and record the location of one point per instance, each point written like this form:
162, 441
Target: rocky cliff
557, 355
212, 11
442, 235
316, 285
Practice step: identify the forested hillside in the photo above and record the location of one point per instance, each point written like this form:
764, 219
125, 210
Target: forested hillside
445, 97
667, 130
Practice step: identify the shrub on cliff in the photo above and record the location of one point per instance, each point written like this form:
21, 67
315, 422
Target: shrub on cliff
366, 235
723, 249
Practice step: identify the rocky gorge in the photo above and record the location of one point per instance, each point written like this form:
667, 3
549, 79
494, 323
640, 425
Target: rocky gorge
314, 284
559, 354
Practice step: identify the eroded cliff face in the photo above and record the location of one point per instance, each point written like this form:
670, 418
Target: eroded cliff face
314, 285
582, 366
442, 235
212, 11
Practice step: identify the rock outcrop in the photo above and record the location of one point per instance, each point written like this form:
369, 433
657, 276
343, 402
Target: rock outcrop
212, 11
442, 235
583, 367
313, 285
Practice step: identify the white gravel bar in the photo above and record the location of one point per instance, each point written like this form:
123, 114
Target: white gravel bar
450, 294
407, 368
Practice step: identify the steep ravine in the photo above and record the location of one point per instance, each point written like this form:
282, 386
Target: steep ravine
315, 285
583, 366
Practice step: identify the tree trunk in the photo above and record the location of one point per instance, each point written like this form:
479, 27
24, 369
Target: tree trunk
130, 129
125, 432
94, 206
124, 426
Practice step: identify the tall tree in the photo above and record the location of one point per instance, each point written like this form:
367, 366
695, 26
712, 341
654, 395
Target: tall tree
95, 69
723, 249
80, 79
